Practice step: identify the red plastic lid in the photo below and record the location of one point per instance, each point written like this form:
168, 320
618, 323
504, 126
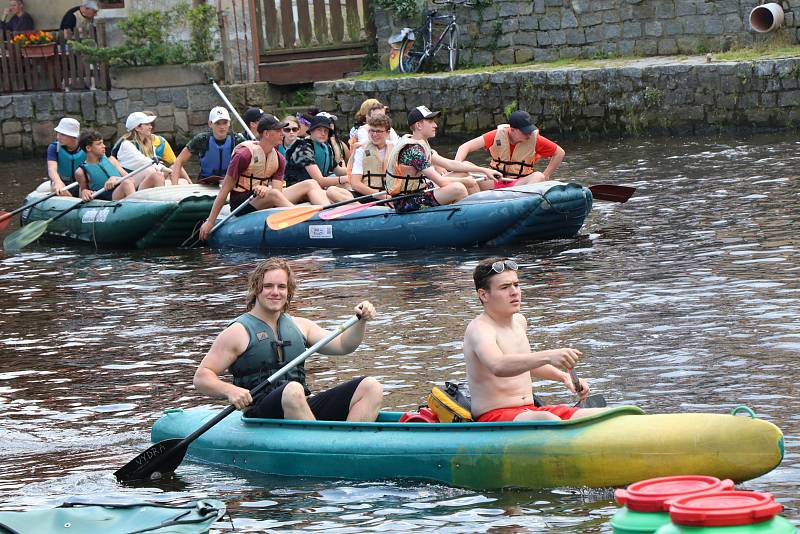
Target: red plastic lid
655, 494
723, 509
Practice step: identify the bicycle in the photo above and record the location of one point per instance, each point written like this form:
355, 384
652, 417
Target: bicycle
416, 52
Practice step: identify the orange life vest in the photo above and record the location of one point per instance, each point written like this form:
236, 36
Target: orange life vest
401, 179
523, 159
261, 169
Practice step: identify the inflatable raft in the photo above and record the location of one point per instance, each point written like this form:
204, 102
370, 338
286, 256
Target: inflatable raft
112, 517
547, 210
157, 217
613, 448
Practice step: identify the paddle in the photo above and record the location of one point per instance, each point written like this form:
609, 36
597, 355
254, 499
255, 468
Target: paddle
5, 216
33, 231
239, 208
165, 456
231, 108
349, 210
612, 193
592, 401
286, 218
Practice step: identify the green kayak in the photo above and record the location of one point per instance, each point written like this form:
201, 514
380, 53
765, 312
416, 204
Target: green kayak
81, 516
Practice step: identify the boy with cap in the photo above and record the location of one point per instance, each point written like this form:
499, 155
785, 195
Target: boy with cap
515, 148
411, 163
255, 173
214, 148
64, 156
251, 117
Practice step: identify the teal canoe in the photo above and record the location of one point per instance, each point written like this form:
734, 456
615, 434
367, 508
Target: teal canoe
534, 212
613, 448
150, 218
82, 516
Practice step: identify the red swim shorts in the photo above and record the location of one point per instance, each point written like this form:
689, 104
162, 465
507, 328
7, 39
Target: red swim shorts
501, 184
508, 414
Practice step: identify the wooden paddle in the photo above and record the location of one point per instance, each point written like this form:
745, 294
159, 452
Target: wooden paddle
239, 208
592, 401
165, 456
5, 216
612, 193
33, 231
290, 217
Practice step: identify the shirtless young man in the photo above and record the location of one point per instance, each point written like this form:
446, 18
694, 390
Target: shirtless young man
499, 358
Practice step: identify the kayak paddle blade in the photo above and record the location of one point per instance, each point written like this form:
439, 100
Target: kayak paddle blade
25, 236
163, 457
290, 217
345, 210
612, 193
5, 220
593, 401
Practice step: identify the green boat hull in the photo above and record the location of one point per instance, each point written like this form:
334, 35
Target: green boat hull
615, 448
115, 518
152, 218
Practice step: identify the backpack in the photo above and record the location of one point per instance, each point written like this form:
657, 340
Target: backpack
452, 405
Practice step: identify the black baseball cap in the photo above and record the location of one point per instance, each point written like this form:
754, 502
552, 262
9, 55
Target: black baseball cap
419, 113
521, 120
320, 120
270, 122
252, 115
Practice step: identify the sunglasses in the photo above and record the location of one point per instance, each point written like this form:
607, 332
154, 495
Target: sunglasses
500, 266
287, 130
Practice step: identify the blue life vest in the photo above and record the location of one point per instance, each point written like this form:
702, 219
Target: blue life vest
69, 162
159, 150
261, 359
215, 160
99, 173
323, 156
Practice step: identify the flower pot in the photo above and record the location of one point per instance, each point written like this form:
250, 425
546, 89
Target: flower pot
39, 50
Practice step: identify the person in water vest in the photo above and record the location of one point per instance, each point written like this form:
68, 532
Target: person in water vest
341, 149
368, 165
290, 134
98, 172
251, 117
313, 159
261, 340
515, 148
163, 153
257, 168
359, 136
498, 355
64, 156
410, 168
213, 148
135, 149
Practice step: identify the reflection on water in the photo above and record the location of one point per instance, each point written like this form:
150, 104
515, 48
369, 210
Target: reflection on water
684, 299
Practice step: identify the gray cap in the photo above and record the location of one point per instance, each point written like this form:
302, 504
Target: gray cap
91, 4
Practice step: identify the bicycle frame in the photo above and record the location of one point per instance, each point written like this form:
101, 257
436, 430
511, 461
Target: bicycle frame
427, 34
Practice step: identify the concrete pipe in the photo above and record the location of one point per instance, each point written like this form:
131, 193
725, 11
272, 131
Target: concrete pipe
766, 17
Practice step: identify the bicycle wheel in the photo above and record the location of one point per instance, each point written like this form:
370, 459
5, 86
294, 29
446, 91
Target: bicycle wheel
452, 47
412, 54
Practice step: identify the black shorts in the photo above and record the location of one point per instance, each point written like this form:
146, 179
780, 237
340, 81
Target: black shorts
329, 405
237, 198
423, 200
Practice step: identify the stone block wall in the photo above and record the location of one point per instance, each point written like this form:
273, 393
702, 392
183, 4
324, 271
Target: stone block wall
645, 97
519, 31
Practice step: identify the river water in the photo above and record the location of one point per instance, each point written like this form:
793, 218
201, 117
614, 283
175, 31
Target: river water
684, 299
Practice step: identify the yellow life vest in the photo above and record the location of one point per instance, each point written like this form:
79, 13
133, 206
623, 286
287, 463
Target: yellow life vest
374, 166
402, 179
262, 166
524, 154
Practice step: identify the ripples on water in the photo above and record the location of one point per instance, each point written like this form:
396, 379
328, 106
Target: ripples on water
684, 299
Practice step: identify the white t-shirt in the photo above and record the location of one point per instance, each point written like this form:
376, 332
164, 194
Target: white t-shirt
358, 160
363, 135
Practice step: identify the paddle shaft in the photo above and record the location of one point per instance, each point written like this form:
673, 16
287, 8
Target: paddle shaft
290, 217
232, 109
275, 376
239, 208
10, 214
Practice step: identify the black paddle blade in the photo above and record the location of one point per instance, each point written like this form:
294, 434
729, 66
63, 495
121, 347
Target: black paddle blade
593, 401
163, 457
612, 193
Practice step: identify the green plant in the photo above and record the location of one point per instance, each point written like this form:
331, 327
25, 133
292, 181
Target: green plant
404, 9
510, 108
653, 97
147, 38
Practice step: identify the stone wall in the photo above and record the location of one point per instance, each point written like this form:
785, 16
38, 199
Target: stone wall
518, 31
651, 96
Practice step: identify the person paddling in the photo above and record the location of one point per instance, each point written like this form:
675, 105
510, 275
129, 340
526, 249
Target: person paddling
264, 338
98, 172
499, 359
515, 148
64, 156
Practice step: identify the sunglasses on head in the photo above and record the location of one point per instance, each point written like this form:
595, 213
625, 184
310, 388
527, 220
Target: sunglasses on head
500, 266
290, 129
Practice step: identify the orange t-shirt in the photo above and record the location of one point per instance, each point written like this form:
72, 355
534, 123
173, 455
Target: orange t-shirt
544, 146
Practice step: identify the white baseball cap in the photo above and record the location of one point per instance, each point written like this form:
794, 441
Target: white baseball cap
70, 127
217, 114
91, 4
138, 118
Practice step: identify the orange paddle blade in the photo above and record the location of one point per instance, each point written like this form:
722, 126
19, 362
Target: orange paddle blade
290, 217
5, 220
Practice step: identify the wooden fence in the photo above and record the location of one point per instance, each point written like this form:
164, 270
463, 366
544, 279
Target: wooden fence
310, 40
53, 67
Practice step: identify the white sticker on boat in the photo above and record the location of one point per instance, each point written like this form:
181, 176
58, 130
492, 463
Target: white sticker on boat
95, 215
320, 231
